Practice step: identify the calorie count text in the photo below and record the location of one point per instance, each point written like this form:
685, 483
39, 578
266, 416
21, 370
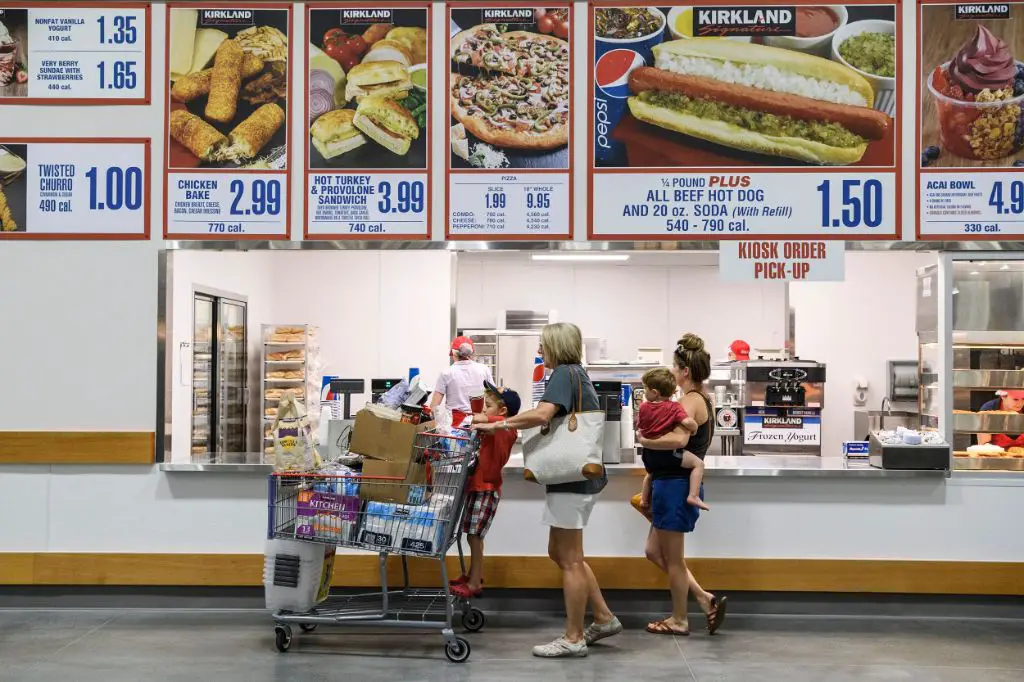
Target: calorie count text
115, 189
701, 203
118, 74
1004, 197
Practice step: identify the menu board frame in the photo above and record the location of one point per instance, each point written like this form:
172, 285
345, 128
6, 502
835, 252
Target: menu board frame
92, 101
307, 171
897, 167
569, 170
289, 120
147, 188
920, 74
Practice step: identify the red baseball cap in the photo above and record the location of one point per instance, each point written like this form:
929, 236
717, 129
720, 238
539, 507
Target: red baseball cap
741, 349
460, 341
1016, 395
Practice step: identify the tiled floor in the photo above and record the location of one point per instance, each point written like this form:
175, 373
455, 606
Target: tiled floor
194, 646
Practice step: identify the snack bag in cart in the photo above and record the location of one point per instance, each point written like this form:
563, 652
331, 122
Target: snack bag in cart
293, 437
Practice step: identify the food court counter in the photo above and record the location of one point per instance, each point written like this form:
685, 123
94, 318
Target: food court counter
785, 466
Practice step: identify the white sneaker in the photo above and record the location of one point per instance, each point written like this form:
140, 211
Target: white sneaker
561, 648
598, 631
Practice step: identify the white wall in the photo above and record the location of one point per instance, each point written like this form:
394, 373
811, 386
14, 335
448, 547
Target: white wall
647, 301
367, 305
855, 326
245, 274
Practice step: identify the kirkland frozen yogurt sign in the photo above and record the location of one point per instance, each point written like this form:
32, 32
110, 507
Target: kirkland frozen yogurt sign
815, 261
745, 21
982, 12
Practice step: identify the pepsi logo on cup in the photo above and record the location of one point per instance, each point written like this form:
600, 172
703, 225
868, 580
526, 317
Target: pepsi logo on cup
623, 41
611, 72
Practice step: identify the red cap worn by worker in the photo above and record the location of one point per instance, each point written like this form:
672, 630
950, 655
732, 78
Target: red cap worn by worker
459, 344
741, 349
1016, 395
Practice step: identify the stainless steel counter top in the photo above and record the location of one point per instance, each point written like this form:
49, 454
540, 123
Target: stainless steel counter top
783, 466
235, 463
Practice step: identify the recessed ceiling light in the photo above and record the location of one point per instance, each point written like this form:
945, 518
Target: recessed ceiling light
582, 257
975, 272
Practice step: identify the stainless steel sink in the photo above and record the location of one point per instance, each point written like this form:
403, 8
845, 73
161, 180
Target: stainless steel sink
866, 421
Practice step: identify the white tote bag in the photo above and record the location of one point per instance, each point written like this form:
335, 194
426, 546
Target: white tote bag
567, 450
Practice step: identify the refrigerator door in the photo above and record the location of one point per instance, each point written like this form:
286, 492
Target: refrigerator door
202, 374
514, 364
232, 370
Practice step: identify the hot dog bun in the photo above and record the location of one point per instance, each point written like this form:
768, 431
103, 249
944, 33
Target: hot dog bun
736, 137
865, 122
766, 68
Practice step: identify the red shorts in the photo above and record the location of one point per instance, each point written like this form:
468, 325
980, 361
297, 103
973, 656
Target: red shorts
479, 512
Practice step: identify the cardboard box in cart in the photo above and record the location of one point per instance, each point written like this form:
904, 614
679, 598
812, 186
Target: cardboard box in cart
388, 448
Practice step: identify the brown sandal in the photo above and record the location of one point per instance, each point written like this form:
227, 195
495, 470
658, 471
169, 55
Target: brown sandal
716, 614
660, 627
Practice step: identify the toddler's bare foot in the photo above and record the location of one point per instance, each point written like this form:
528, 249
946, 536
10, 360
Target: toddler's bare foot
697, 502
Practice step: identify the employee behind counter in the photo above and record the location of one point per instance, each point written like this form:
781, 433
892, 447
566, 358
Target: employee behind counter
1006, 401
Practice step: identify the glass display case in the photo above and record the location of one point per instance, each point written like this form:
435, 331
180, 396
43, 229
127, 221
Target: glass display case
219, 372
972, 372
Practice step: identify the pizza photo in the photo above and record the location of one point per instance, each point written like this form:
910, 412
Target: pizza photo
509, 88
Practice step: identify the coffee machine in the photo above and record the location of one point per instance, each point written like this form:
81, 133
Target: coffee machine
782, 406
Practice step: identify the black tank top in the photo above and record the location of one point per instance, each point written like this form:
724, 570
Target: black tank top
701, 441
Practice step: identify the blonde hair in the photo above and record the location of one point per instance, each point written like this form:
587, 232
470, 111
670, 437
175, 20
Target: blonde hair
562, 343
661, 380
690, 354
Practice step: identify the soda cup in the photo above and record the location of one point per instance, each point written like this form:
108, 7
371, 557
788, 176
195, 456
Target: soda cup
614, 59
476, 403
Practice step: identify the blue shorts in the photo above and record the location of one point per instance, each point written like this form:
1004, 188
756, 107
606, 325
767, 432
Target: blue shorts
669, 510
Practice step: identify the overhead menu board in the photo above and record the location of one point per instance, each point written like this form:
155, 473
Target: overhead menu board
91, 188
74, 53
970, 121
510, 102
368, 87
229, 101
740, 121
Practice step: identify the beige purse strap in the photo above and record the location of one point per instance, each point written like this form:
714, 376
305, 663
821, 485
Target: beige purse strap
578, 405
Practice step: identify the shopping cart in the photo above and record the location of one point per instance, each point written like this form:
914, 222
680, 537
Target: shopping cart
343, 510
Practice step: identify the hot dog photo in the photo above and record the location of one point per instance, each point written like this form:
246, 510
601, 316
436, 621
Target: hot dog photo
744, 85
228, 87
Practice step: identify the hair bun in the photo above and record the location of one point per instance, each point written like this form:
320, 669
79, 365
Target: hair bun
692, 343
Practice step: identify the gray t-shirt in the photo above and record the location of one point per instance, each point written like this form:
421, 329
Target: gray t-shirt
563, 391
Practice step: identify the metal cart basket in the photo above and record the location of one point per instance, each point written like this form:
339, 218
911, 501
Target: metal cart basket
362, 512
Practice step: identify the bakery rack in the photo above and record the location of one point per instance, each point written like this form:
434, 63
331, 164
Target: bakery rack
290, 361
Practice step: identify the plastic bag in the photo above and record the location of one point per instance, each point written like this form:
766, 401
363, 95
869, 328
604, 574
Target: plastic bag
293, 437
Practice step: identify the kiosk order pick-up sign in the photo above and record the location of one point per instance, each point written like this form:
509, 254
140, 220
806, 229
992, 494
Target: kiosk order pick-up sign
716, 121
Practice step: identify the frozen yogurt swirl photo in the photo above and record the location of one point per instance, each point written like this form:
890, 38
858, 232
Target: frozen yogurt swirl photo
984, 62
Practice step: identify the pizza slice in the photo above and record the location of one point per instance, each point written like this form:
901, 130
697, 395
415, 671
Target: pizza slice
483, 46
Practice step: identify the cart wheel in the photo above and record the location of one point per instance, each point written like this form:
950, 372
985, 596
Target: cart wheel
283, 637
474, 620
307, 627
457, 651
